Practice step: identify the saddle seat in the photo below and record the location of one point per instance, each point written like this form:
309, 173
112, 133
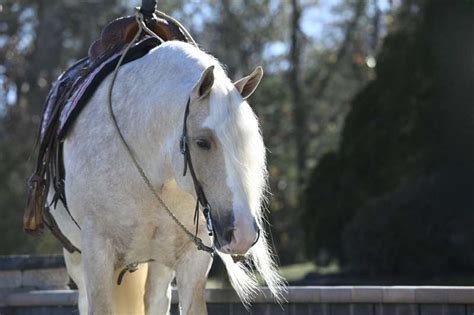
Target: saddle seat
121, 31
69, 94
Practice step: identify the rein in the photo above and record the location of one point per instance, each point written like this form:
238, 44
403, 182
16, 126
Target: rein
201, 198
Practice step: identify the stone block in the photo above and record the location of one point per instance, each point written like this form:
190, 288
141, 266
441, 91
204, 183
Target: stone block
340, 294
48, 310
55, 278
10, 279
26, 262
304, 295
42, 298
431, 295
461, 295
367, 294
399, 295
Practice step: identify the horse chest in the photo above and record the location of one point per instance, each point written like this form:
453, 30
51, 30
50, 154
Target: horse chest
161, 241
155, 234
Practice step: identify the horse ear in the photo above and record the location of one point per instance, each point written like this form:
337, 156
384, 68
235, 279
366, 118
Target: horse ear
204, 85
247, 85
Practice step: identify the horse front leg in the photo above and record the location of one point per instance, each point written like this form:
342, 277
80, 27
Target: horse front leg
158, 289
98, 259
75, 271
191, 276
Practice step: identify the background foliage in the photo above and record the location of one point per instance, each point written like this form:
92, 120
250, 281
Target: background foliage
370, 145
399, 189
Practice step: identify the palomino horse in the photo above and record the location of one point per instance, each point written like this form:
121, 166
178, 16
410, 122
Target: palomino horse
121, 222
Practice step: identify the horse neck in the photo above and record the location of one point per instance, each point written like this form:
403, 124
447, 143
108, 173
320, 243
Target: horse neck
150, 108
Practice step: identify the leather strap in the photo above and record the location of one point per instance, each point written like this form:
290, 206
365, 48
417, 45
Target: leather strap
188, 164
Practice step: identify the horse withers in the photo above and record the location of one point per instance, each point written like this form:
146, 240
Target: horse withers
119, 220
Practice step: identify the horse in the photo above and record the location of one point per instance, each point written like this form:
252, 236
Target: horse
119, 221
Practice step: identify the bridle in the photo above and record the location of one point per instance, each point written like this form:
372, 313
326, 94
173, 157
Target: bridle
200, 195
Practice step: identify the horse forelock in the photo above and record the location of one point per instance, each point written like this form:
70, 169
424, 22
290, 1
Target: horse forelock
237, 129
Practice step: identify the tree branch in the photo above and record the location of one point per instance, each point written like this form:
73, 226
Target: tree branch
322, 83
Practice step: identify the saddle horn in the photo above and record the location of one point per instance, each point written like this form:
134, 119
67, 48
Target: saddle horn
148, 8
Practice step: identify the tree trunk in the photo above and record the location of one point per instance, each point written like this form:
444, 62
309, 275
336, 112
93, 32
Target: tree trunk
299, 108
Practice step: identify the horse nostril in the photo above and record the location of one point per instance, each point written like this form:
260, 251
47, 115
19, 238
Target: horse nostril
228, 235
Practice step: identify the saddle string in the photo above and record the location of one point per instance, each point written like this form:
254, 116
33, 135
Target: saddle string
194, 238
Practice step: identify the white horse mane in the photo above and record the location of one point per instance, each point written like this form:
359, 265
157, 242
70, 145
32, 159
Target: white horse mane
238, 130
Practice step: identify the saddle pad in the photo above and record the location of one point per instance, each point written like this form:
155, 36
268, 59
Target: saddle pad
84, 89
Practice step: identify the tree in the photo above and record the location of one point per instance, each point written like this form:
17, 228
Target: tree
397, 196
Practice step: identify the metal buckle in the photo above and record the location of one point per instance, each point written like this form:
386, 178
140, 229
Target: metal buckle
209, 226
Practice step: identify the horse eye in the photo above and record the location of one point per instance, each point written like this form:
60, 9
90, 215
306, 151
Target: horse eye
203, 144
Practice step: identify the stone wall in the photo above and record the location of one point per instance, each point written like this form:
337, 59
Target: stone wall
339, 300
38, 285
24, 272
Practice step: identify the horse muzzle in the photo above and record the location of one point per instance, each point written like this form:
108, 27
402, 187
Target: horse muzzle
235, 237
